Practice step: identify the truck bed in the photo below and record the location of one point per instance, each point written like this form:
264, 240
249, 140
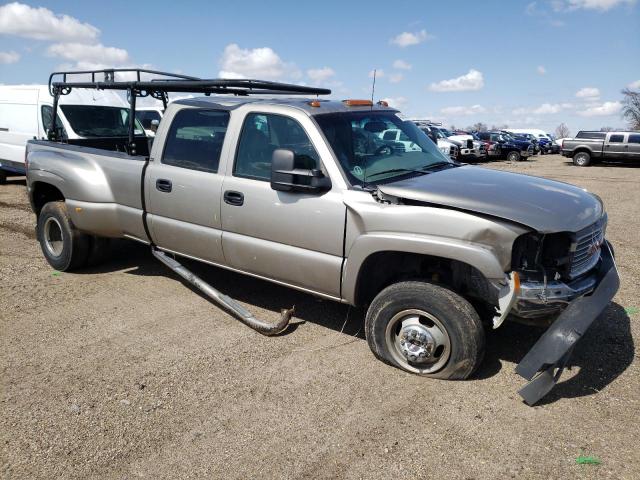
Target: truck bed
102, 188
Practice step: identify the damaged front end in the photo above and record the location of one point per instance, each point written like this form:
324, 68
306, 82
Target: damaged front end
572, 275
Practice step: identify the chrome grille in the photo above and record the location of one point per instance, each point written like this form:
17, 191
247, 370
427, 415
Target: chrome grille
586, 249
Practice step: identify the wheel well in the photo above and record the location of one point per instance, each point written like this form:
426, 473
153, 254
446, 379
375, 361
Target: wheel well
43, 193
382, 269
581, 150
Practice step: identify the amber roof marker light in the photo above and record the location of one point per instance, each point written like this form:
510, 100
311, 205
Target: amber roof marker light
358, 103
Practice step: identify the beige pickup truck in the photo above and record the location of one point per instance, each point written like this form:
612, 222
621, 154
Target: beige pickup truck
307, 193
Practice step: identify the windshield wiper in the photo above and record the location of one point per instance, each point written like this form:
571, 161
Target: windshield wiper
437, 165
423, 170
396, 170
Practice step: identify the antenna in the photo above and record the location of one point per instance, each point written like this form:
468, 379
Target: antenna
373, 87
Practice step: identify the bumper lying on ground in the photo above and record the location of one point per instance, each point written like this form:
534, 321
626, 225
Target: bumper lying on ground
550, 354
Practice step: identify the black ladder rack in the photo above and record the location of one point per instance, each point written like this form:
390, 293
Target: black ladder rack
61, 83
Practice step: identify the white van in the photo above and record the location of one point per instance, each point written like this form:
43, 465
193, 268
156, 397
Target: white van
25, 114
533, 131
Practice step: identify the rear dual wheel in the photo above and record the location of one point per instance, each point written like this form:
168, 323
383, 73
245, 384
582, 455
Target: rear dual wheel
64, 247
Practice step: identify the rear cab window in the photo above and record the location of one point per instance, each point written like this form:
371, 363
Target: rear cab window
195, 139
617, 138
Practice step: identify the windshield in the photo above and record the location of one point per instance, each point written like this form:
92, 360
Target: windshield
357, 140
99, 121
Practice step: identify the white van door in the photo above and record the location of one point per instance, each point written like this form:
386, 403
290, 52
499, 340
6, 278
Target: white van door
18, 123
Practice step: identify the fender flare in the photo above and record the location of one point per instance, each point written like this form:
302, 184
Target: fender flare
476, 255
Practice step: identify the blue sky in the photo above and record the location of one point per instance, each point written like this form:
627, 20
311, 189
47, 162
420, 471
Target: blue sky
519, 63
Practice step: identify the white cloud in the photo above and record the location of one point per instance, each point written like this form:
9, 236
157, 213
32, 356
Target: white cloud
42, 24
456, 111
406, 39
379, 73
601, 5
396, 102
601, 110
531, 8
541, 70
9, 57
396, 77
544, 109
402, 65
98, 53
263, 63
473, 80
634, 85
588, 93
320, 75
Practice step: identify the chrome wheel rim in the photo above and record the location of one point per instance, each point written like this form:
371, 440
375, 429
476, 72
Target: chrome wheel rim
418, 341
53, 239
580, 159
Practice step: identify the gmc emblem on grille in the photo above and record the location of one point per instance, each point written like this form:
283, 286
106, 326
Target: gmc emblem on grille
595, 246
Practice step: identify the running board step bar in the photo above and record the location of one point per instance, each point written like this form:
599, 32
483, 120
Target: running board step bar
225, 301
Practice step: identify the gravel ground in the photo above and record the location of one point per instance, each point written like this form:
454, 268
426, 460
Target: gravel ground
123, 372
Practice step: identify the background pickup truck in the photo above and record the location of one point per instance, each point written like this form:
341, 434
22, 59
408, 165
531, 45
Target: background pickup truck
590, 147
307, 193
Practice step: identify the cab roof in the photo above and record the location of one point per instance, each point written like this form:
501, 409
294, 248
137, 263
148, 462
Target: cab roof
325, 106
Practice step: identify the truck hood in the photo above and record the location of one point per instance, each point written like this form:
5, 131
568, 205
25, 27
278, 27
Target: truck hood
544, 205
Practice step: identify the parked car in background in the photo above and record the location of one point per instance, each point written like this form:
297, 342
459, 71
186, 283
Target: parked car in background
545, 140
25, 113
444, 144
526, 137
470, 148
509, 148
590, 147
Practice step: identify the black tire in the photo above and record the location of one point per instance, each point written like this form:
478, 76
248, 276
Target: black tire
582, 159
513, 156
461, 322
3, 177
64, 247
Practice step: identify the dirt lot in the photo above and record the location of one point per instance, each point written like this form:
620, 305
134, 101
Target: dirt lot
123, 372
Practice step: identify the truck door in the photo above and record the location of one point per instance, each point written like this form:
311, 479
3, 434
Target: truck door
615, 146
633, 145
183, 184
292, 237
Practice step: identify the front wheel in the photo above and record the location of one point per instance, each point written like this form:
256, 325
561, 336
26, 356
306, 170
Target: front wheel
513, 156
64, 247
425, 329
3, 177
582, 159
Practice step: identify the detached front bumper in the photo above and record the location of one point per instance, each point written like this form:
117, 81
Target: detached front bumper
548, 357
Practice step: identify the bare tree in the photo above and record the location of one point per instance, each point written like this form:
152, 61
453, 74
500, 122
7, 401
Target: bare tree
480, 127
562, 131
607, 129
504, 126
631, 107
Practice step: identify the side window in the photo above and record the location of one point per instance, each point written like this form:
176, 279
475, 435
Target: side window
262, 134
634, 138
389, 135
616, 138
46, 112
195, 139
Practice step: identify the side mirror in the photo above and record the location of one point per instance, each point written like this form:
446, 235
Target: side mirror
154, 125
286, 178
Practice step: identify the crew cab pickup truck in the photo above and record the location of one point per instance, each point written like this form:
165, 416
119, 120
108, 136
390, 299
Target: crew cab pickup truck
591, 147
303, 193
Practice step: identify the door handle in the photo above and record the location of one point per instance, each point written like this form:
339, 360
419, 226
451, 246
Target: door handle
163, 185
233, 198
